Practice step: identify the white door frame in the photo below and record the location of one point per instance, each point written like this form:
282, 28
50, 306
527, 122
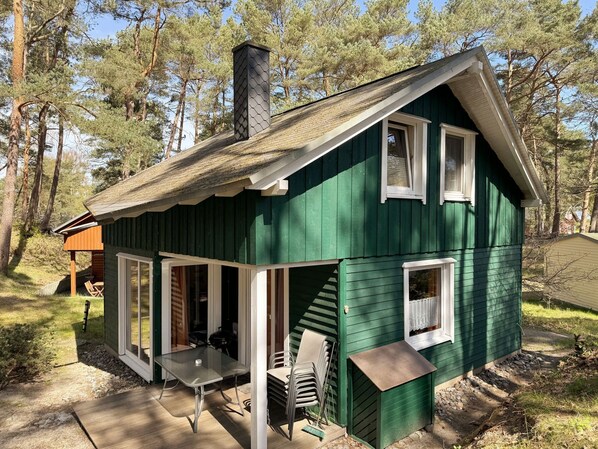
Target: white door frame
130, 359
214, 297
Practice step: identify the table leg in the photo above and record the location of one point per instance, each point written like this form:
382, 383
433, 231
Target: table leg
199, 394
164, 386
230, 399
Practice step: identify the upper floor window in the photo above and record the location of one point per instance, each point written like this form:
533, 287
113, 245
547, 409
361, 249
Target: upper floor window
457, 164
404, 157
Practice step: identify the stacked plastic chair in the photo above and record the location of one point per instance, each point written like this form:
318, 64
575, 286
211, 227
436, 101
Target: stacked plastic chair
301, 382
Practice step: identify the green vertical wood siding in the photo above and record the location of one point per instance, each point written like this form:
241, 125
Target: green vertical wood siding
111, 297
217, 228
486, 306
313, 305
333, 209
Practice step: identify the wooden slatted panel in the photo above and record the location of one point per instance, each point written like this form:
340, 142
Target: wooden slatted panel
364, 408
577, 257
111, 297
136, 419
89, 239
487, 305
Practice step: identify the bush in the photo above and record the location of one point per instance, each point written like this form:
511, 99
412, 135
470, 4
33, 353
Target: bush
24, 353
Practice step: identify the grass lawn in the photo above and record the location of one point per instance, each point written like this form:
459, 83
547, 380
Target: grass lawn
560, 318
61, 315
562, 406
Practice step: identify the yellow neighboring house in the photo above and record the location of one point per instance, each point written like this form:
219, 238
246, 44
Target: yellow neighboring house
572, 264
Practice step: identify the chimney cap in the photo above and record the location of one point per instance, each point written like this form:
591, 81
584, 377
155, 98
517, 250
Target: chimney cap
250, 43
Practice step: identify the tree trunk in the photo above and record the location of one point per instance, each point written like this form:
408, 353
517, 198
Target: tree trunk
45, 223
39, 168
176, 119
594, 219
197, 115
556, 218
182, 123
12, 155
587, 193
26, 153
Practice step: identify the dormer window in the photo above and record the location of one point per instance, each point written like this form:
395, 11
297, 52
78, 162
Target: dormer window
457, 164
404, 157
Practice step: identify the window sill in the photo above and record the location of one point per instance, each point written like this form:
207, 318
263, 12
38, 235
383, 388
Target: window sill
422, 343
405, 196
456, 197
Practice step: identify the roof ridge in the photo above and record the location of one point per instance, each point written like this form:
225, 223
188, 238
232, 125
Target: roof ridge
369, 83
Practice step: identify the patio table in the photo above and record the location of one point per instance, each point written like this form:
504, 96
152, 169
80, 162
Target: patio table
215, 366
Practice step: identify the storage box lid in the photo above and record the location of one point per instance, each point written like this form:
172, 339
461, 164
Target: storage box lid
392, 365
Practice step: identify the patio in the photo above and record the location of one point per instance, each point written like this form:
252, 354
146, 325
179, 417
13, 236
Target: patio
137, 419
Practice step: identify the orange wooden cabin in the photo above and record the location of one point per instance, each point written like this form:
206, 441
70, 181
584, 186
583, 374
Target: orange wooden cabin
83, 233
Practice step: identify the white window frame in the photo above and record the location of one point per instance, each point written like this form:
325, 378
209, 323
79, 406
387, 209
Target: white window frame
446, 331
416, 130
145, 371
467, 193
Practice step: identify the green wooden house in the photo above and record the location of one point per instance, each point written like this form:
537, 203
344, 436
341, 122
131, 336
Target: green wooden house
390, 212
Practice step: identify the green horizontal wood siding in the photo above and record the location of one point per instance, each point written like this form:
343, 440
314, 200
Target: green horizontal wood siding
217, 228
365, 405
333, 210
313, 305
379, 418
487, 304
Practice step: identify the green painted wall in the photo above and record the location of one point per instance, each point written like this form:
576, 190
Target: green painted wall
380, 418
111, 297
217, 228
487, 306
365, 403
405, 409
313, 305
333, 209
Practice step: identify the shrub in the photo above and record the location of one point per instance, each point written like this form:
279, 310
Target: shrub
24, 352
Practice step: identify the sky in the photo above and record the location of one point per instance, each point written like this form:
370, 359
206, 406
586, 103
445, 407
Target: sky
106, 26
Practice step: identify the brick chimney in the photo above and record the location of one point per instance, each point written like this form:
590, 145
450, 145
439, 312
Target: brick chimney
251, 85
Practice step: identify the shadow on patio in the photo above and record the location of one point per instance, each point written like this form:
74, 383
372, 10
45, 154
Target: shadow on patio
137, 419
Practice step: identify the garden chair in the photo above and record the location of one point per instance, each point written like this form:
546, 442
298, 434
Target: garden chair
301, 382
94, 290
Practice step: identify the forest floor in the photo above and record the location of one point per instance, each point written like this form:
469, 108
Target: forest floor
544, 397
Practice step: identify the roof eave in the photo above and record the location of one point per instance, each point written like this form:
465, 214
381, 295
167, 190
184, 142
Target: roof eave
133, 210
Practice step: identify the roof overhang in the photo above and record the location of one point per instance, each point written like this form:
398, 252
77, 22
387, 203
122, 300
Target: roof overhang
75, 223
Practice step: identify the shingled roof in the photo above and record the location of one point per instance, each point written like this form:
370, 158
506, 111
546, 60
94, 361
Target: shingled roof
298, 136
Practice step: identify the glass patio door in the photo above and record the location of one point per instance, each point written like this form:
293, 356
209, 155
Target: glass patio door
136, 315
